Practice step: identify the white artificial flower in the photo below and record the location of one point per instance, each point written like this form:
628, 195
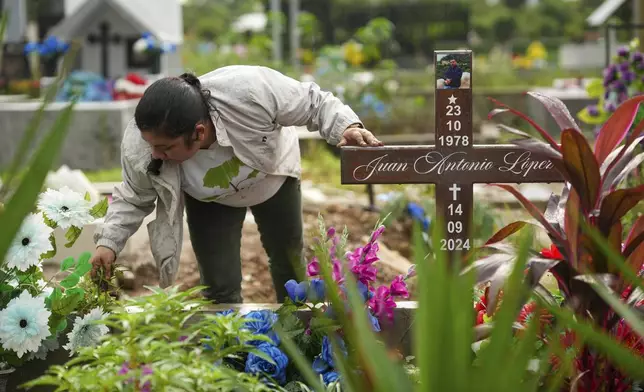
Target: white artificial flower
31, 242
46, 290
66, 207
86, 332
24, 324
48, 345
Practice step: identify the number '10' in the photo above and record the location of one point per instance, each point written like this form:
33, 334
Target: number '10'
454, 125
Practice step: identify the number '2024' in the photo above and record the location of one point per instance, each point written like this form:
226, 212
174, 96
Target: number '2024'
451, 244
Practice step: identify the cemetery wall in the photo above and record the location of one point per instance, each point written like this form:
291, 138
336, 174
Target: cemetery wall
94, 138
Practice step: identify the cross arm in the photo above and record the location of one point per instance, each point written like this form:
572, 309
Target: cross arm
430, 164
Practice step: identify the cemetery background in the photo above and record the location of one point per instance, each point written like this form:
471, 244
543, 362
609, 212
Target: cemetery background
391, 94
389, 84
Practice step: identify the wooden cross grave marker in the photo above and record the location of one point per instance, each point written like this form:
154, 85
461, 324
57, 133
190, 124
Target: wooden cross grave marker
454, 164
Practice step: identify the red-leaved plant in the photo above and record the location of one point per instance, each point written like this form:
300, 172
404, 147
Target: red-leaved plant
592, 201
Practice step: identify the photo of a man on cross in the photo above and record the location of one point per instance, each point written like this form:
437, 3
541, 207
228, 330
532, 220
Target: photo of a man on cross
453, 71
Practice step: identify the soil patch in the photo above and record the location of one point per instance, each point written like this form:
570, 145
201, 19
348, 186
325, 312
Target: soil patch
257, 286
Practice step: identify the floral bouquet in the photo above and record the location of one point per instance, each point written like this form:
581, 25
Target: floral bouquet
317, 337
34, 311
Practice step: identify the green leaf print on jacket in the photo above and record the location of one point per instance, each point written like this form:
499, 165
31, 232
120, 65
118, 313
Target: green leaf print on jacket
222, 176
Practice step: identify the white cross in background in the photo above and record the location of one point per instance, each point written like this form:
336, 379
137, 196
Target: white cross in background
455, 189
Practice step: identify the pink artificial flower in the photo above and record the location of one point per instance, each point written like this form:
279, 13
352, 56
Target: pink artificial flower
377, 233
337, 272
382, 303
365, 273
313, 268
398, 287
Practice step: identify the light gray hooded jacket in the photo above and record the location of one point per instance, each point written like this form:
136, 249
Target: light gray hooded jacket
257, 107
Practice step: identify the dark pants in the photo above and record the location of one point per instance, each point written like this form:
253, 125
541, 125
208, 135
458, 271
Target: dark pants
215, 232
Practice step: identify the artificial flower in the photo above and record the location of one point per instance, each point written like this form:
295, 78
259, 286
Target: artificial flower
297, 292
260, 322
24, 324
45, 289
330, 377
552, 253
313, 268
317, 290
65, 207
87, 332
398, 287
29, 244
259, 366
48, 345
382, 303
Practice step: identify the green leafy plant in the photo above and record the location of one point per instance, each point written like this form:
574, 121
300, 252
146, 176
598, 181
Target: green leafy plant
35, 312
165, 341
585, 224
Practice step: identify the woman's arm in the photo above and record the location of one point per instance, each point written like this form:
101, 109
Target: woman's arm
132, 200
303, 104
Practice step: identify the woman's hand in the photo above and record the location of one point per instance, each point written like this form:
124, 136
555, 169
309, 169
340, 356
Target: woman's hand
355, 136
103, 259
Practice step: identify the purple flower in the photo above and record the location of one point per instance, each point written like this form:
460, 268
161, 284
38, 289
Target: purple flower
411, 272
382, 303
125, 368
593, 110
337, 272
637, 57
365, 273
297, 292
609, 107
618, 85
313, 268
398, 287
377, 233
623, 52
183, 338
624, 66
330, 233
628, 76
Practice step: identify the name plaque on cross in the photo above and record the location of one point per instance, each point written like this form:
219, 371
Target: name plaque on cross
454, 163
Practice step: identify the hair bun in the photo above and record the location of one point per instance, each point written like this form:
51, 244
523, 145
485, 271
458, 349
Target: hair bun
191, 79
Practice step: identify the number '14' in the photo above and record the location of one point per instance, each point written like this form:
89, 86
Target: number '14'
455, 209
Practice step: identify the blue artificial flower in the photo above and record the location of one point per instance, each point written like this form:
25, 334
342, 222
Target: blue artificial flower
375, 324
260, 322
225, 312
259, 366
330, 376
31, 47
317, 291
364, 291
327, 350
296, 291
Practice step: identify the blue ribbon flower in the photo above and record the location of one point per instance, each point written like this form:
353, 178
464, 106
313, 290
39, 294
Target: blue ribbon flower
259, 366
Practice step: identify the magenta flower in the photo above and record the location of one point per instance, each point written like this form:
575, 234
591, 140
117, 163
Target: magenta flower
398, 287
337, 272
313, 268
330, 233
125, 368
382, 304
365, 273
377, 233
